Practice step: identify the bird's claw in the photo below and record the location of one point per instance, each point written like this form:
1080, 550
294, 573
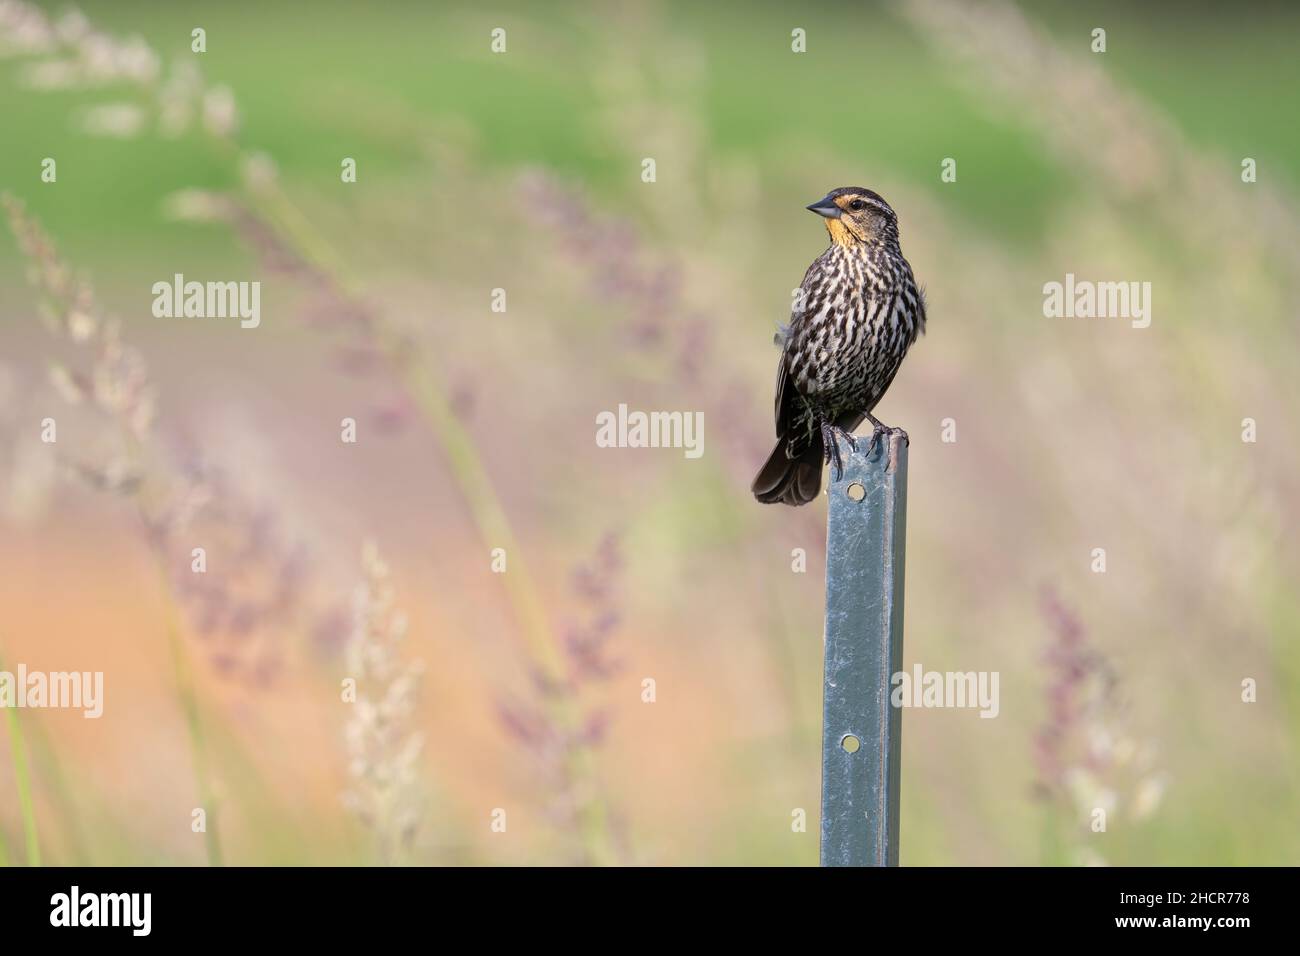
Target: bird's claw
833, 434
831, 447
879, 430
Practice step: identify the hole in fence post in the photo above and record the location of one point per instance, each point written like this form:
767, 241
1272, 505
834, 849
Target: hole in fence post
856, 492
850, 744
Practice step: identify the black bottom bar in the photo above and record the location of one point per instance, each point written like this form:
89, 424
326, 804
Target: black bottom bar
337, 906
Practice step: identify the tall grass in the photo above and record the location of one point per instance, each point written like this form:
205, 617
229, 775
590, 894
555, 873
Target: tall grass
178, 98
22, 785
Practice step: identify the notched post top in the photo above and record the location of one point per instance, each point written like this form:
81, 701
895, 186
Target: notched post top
883, 455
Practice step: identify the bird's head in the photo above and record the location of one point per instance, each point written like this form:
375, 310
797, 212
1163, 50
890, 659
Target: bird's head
855, 215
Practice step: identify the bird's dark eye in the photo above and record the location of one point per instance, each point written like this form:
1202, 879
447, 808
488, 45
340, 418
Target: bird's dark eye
857, 205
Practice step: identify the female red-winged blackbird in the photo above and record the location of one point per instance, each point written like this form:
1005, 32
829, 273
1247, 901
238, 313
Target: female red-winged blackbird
857, 313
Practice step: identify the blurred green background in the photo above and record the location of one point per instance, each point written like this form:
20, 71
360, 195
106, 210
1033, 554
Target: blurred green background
522, 170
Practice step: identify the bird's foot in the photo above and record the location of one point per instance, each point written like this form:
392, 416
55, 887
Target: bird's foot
831, 436
879, 431
831, 451
878, 434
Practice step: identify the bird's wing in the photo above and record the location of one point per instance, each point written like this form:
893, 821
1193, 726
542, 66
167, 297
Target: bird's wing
918, 293
790, 337
787, 337
783, 408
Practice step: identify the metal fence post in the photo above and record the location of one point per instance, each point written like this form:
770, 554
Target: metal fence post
861, 731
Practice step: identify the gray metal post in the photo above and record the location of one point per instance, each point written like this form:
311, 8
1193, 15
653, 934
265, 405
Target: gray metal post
861, 731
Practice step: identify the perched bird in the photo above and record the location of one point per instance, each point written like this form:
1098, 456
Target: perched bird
857, 312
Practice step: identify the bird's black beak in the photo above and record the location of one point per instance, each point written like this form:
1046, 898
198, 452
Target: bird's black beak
826, 207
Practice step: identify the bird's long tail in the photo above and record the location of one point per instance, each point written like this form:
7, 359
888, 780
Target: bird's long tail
790, 481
